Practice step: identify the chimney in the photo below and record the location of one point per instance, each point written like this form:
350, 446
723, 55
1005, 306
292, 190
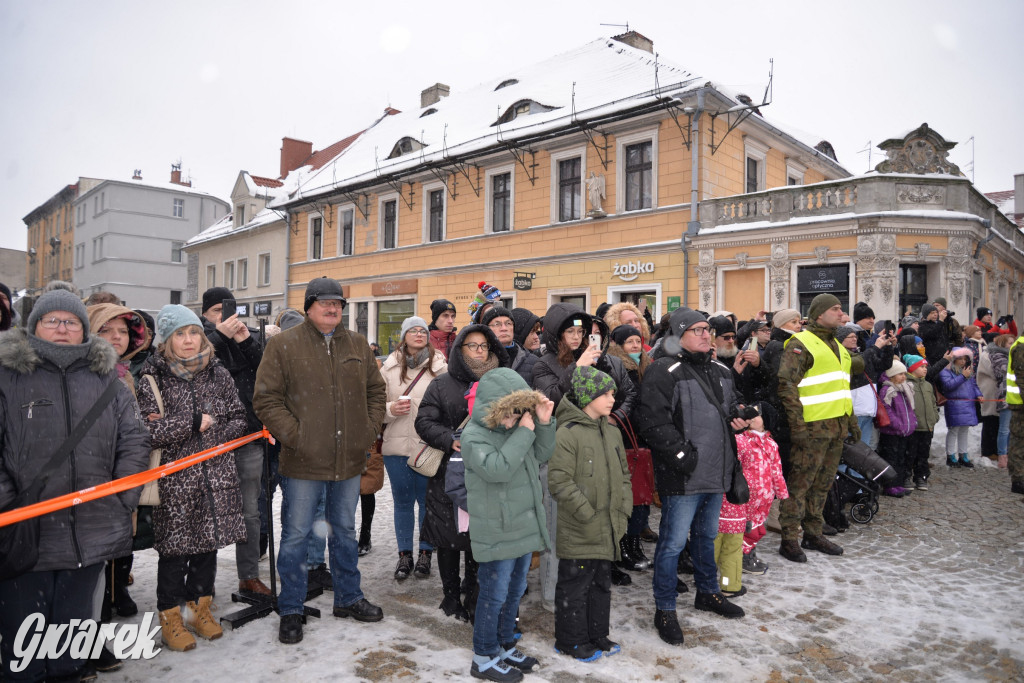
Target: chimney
137, 175
293, 153
1018, 194
634, 39
433, 94
176, 176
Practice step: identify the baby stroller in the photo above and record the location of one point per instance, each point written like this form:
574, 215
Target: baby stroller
861, 476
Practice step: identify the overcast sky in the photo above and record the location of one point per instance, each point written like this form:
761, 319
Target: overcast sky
100, 88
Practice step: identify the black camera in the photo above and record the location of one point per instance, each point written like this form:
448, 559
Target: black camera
745, 412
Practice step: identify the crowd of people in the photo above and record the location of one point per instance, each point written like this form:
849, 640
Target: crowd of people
540, 443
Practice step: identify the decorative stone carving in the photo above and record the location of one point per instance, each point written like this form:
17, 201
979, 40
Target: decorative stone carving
779, 270
869, 290
919, 194
887, 289
741, 259
821, 253
956, 289
706, 271
920, 151
779, 292
780, 251
922, 250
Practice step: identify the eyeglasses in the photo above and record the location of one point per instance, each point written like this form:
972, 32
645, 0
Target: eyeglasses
329, 303
418, 331
501, 324
699, 331
71, 325
728, 337
476, 347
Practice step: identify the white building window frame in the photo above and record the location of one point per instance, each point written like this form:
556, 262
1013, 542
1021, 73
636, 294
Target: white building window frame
229, 274
650, 134
428, 189
556, 158
178, 208
382, 200
211, 275
339, 212
310, 247
758, 151
795, 171
555, 295
263, 271
242, 273
613, 290
489, 175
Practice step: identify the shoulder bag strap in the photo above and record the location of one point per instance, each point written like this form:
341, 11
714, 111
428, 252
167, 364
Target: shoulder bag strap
156, 394
80, 430
416, 379
627, 427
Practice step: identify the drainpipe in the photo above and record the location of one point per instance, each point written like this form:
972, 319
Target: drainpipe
991, 235
693, 227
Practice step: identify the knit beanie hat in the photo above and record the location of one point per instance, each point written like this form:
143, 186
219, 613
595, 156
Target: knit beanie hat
497, 311
59, 300
820, 304
623, 332
897, 368
524, 320
683, 319
587, 383
487, 294
844, 331
927, 310
784, 316
439, 306
913, 362
214, 296
982, 312
722, 325
940, 300
173, 317
909, 320
410, 323
861, 310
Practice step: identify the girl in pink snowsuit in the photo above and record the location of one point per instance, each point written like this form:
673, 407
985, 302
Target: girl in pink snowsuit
740, 527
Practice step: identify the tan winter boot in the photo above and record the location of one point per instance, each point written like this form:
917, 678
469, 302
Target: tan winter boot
175, 636
201, 621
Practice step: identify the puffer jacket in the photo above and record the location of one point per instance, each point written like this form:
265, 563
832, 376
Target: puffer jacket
506, 512
400, 437
759, 457
674, 410
589, 479
442, 409
201, 506
521, 360
960, 393
925, 408
900, 406
992, 379
39, 406
241, 359
324, 400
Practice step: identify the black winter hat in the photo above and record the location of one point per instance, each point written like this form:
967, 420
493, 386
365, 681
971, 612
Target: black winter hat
439, 306
323, 288
722, 325
524, 320
861, 310
623, 332
214, 296
982, 312
683, 319
497, 312
602, 309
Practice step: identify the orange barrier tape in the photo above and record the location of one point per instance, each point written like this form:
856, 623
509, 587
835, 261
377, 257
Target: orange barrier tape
124, 483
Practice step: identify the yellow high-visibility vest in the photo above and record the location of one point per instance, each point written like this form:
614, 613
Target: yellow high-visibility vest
1012, 390
825, 388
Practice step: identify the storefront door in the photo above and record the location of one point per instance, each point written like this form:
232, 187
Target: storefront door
390, 315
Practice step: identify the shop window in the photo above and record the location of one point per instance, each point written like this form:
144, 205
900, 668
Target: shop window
390, 315
913, 289
363, 318
814, 280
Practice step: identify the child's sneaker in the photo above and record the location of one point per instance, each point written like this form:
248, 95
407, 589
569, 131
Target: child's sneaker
752, 565
966, 461
495, 670
607, 647
513, 656
951, 460
584, 653
921, 484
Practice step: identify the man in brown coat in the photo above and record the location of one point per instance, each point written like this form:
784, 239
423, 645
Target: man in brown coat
318, 390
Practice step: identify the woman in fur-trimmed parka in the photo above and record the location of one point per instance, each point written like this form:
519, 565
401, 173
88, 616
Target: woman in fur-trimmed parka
201, 506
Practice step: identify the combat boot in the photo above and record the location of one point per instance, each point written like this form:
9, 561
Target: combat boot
791, 551
201, 621
821, 544
175, 636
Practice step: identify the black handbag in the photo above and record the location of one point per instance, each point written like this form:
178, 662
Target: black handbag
19, 542
739, 491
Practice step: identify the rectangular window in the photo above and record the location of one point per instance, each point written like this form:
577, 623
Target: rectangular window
243, 273
103, 201
437, 216
913, 288
176, 251
638, 176
263, 266
390, 315
211, 276
569, 185
240, 215
316, 237
501, 202
229, 274
752, 174
175, 296
389, 224
95, 205
179, 208
347, 219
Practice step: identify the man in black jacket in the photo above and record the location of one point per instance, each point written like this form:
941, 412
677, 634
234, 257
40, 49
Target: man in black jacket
685, 414
240, 352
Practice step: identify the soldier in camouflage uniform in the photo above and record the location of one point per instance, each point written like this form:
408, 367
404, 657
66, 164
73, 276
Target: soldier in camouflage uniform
817, 443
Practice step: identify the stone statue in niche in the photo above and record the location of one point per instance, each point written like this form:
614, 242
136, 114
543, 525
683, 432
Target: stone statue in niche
595, 192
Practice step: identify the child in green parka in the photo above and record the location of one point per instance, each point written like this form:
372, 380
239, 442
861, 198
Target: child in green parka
919, 444
588, 477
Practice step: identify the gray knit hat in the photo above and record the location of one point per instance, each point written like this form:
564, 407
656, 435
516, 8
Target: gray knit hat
409, 323
59, 300
173, 317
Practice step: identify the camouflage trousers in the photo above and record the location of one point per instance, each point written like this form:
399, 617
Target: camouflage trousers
1016, 449
812, 469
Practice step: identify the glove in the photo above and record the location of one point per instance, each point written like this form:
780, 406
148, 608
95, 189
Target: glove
1001, 321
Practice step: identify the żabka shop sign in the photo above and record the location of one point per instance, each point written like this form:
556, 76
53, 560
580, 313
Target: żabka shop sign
632, 270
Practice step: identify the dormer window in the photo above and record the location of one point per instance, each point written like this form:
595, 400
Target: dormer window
405, 146
524, 108
506, 83
428, 112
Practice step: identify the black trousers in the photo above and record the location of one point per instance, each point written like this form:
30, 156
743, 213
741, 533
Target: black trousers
583, 601
893, 450
919, 444
989, 434
448, 563
180, 578
59, 595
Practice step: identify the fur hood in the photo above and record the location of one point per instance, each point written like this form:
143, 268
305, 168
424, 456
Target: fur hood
613, 318
516, 403
500, 394
17, 354
630, 364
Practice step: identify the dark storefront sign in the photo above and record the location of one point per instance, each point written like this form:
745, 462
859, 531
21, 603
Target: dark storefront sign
523, 281
261, 308
818, 279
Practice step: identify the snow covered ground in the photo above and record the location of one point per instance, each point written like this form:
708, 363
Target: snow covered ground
929, 590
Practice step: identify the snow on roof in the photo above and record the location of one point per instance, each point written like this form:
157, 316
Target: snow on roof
834, 217
226, 226
1005, 202
260, 186
173, 187
606, 76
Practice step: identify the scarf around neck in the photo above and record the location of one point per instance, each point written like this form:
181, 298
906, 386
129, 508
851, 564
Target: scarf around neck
479, 367
187, 368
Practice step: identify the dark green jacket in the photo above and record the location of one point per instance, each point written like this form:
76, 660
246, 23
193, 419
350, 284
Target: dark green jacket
589, 479
925, 407
506, 515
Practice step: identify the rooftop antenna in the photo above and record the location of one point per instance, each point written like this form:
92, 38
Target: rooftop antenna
867, 148
626, 26
971, 166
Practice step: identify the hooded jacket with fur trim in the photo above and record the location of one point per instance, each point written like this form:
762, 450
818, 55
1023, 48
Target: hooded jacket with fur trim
39, 405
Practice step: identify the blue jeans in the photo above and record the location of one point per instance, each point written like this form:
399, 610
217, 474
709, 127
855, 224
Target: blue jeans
316, 546
303, 496
408, 488
1003, 439
867, 428
502, 584
694, 515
